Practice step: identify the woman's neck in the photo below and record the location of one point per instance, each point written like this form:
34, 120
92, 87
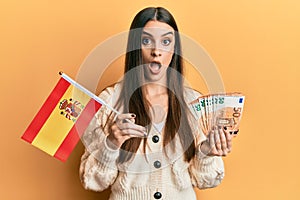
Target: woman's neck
157, 97
153, 89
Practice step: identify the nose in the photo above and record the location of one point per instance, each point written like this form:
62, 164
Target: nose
155, 52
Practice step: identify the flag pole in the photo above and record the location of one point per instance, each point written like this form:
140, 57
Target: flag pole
92, 95
86, 91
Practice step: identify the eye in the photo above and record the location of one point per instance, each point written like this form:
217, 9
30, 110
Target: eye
146, 41
166, 42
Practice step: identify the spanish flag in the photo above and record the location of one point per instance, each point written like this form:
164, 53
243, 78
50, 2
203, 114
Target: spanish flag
63, 118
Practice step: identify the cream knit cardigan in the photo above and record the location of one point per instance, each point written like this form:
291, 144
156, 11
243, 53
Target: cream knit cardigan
169, 178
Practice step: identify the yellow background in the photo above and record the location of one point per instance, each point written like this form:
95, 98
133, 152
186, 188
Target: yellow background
255, 45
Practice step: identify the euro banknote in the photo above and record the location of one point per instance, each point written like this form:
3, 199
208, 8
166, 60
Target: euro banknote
222, 110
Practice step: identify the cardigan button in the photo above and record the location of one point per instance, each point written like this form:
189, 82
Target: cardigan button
157, 164
155, 139
157, 195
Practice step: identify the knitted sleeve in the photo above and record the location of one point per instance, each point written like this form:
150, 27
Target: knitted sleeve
206, 171
98, 169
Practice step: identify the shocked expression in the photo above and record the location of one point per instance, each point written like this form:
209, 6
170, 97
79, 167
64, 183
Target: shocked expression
158, 42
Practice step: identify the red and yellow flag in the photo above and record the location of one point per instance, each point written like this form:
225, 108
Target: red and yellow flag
63, 118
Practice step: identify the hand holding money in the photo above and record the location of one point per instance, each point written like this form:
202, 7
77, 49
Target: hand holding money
219, 110
218, 142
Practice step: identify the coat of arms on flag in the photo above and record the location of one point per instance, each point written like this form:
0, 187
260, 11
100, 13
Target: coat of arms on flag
63, 118
70, 109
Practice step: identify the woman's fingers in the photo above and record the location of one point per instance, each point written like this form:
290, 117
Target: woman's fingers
124, 118
126, 123
133, 133
223, 142
212, 142
220, 142
229, 140
125, 128
130, 128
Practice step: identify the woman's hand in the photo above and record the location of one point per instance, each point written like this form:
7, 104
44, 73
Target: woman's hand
218, 142
124, 128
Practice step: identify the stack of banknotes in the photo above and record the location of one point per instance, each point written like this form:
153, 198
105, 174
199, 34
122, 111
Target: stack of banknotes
221, 110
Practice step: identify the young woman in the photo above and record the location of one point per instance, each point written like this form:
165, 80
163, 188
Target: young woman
155, 149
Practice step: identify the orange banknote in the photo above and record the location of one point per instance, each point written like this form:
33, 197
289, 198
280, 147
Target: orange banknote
222, 110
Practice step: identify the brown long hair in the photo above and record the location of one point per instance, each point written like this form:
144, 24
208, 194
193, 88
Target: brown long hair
132, 98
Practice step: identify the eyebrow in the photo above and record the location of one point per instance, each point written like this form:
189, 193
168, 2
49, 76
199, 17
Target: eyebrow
146, 33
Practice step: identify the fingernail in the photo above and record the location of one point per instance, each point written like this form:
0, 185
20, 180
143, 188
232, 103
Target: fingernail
145, 134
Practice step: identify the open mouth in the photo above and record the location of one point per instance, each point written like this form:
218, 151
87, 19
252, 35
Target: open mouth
155, 67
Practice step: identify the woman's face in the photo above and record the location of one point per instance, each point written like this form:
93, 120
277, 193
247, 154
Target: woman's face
158, 40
